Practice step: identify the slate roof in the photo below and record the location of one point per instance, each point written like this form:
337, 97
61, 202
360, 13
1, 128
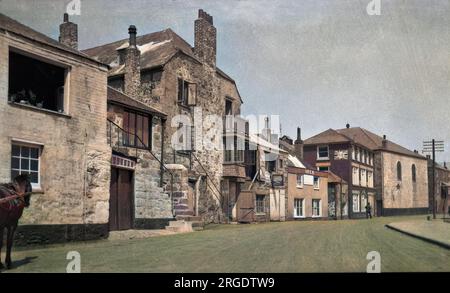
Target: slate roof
10, 25
117, 97
361, 137
156, 48
333, 178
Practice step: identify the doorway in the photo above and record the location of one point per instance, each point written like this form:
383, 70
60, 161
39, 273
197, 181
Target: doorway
121, 200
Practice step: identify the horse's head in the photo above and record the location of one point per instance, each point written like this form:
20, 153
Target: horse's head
23, 185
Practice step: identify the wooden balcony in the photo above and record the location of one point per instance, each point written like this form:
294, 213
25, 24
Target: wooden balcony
236, 170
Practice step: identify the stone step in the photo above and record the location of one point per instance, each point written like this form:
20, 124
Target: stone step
181, 207
181, 226
189, 218
184, 213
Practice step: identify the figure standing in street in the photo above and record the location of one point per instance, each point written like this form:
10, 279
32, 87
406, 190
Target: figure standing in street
368, 211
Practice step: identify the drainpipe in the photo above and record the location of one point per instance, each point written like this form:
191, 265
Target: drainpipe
197, 192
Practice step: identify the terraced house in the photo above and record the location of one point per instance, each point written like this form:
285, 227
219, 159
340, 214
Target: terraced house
182, 83
390, 177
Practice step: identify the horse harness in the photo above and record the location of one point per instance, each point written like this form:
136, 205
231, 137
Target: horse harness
15, 199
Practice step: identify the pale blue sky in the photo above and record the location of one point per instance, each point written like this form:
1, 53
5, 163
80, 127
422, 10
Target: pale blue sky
317, 63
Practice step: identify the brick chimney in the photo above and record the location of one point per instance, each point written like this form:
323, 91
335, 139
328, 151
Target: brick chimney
205, 47
68, 33
132, 56
384, 141
298, 144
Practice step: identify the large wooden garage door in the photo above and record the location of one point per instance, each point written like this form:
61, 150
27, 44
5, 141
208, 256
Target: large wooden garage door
246, 206
121, 200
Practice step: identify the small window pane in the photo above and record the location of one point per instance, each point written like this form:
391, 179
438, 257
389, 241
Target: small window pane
34, 166
16, 150
15, 163
34, 154
34, 177
25, 152
24, 164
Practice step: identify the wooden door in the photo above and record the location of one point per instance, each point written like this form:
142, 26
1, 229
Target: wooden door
121, 200
246, 206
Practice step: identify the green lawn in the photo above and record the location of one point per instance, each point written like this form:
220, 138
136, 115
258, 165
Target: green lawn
325, 246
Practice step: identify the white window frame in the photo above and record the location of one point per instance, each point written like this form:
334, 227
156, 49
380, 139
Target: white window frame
316, 186
318, 152
302, 180
320, 207
302, 200
35, 186
358, 196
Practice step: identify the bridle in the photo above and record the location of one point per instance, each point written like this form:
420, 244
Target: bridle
15, 195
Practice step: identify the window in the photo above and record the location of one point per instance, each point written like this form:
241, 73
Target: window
234, 149
413, 173
322, 153
187, 93
260, 204
399, 171
280, 164
316, 210
316, 182
355, 177
137, 130
299, 181
363, 202
323, 168
299, 208
25, 159
270, 162
36, 83
228, 107
353, 153
356, 203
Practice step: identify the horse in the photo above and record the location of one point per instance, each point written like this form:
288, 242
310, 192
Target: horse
19, 192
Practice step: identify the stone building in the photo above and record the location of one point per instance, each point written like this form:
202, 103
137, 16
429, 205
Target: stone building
390, 177
52, 117
137, 198
166, 73
441, 189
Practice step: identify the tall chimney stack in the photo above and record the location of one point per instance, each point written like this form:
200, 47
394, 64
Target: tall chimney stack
68, 33
298, 144
205, 44
132, 56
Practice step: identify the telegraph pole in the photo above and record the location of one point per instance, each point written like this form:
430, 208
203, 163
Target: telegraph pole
432, 147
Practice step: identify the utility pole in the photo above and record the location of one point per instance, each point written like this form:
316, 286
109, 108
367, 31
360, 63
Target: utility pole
432, 147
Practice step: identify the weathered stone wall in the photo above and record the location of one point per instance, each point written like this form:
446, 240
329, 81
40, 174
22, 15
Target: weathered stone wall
151, 202
75, 159
405, 193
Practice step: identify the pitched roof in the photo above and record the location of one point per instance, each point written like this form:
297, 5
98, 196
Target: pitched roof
328, 136
361, 137
156, 50
10, 25
333, 178
117, 97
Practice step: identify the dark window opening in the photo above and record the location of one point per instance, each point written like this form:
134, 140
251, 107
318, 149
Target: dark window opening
36, 83
250, 162
399, 171
413, 173
183, 92
137, 129
228, 107
117, 83
270, 163
151, 76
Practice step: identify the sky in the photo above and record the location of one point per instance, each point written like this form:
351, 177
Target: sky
318, 64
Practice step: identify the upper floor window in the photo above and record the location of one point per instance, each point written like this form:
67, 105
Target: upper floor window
413, 173
228, 107
357, 154
25, 159
316, 182
299, 181
322, 152
323, 168
137, 129
187, 93
234, 149
36, 83
399, 171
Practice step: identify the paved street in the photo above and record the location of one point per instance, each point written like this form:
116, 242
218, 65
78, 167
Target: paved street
322, 246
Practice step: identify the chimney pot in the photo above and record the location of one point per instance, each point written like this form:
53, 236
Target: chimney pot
347, 125
299, 133
66, 17
132, 31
